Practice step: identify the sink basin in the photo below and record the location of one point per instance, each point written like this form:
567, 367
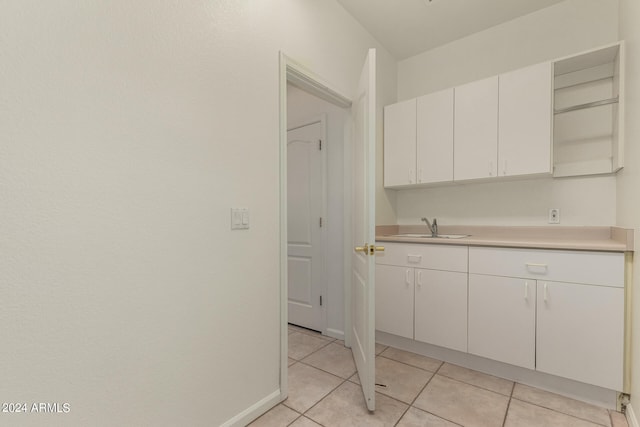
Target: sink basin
429, 236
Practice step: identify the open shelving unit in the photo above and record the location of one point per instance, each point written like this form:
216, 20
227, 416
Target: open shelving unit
588, 106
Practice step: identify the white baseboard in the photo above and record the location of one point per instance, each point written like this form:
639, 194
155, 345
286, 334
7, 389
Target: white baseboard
334, 333
254, 411
631, 417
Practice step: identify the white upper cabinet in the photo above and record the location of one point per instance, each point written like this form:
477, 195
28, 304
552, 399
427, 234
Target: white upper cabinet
524, 123
476, 130
435, 137
563, 117
400, 143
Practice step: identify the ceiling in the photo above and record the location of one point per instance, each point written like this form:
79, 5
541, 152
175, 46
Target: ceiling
409, 27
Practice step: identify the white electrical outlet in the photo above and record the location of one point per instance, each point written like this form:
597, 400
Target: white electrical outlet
554, 216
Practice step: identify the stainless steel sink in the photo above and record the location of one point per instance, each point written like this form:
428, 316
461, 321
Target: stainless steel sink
429, 236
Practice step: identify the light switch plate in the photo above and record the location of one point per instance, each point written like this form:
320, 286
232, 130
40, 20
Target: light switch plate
239, 218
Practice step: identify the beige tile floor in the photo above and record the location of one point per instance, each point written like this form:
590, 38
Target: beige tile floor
324, 391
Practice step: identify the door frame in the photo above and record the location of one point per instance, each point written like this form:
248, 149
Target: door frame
302, 77
322, 119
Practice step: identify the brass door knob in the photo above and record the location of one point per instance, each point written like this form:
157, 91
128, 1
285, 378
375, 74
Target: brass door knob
369, 249
364, 248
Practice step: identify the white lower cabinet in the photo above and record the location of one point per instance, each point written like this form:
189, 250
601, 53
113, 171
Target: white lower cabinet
426, 305
394, 300
441, 308
421, 293
502, 319
571, 323
580, 332
557, 312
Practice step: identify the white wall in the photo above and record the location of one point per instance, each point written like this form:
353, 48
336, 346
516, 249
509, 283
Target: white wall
566, 28
629, 177
129, 129
302, 107
523, 202
563, 29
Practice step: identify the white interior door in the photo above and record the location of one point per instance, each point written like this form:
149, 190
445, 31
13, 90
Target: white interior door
304, 228
362, 297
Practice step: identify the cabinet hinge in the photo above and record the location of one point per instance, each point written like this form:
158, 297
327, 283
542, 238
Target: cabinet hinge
320, 222
320, 300
320, 144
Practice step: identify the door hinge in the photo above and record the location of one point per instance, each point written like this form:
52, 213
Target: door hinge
320, 222
320, 144
320, 300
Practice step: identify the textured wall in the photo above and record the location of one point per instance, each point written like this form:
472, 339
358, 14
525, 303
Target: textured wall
129, 129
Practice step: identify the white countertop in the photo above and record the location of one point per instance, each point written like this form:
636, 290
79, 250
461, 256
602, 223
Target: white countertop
610, 239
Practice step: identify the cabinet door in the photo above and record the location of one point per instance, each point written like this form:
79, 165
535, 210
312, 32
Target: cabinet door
502, 319
580, 331
441, 308
394, 300
476, 130
400, 143
524, 132
435, 137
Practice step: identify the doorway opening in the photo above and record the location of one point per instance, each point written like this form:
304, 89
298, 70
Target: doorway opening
358, 166
313, 118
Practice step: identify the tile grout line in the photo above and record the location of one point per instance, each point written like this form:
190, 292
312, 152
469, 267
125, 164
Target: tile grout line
330, 340
477, 386
560, 412
321, 399
408, 364
421, 391
411, 405
504, 420
473, 385
442, 363
297, 418
303, 416
417, 395
314, 351
320, 369
330, 373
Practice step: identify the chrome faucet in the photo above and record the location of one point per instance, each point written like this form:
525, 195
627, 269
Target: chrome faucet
433, 228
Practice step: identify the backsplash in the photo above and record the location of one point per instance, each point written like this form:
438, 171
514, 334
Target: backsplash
582, 201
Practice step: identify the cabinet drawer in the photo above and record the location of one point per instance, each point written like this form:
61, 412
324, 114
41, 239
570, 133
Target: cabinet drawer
436, 257
594, 268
